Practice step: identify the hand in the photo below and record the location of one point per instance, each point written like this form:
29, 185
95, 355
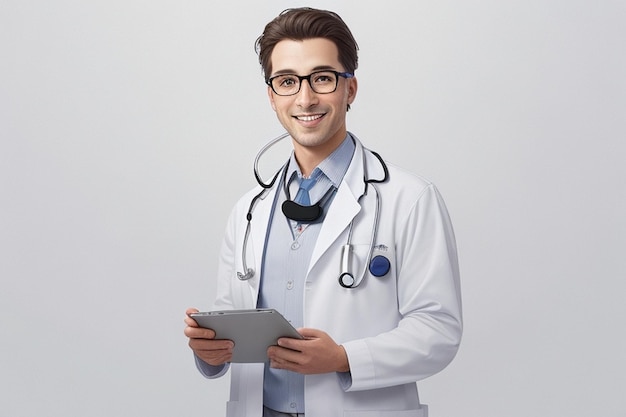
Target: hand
202, 342
316, 354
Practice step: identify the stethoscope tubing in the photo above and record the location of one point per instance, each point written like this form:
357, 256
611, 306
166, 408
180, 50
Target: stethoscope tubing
249, 272
346, 278
258, 157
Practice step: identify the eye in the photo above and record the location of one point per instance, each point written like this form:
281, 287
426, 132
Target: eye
324, 78
287, 81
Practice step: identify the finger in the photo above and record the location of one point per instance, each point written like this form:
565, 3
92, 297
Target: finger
218, 346
310, 333
279, 363
286, 365
276, 364
283, 355
215, 358
293, 344
191, 310
199, 333
191, 322
188, 320
219, 360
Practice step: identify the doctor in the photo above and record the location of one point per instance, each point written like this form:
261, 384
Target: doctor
397, 318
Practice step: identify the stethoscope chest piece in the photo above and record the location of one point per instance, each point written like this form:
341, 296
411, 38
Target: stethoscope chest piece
347, 280
379, 266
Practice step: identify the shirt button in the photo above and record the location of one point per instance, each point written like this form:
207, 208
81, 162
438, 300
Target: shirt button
293, 405
290, 285
295, 246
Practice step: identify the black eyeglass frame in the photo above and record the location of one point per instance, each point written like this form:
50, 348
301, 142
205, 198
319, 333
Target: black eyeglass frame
308, 78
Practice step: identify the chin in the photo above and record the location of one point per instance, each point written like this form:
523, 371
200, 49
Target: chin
311, 140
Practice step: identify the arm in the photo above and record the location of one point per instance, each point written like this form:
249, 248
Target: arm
427, 335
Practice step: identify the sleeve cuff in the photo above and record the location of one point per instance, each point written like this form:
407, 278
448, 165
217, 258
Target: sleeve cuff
210, 371
345, 380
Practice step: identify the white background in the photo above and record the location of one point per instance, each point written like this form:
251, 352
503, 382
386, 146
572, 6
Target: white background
128, 129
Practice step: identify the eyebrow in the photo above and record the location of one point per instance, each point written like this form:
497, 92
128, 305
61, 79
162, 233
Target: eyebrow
290, 71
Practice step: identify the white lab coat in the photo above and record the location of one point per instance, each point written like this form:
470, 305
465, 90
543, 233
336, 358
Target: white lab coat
396, 329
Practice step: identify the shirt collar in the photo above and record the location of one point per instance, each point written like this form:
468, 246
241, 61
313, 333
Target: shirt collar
334, 167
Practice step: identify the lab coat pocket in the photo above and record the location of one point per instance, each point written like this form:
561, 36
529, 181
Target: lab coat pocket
420, 412
375, 261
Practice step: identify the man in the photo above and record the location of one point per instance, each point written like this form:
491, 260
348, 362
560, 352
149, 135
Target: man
396, 319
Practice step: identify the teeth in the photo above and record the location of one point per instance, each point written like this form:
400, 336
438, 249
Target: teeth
309, 118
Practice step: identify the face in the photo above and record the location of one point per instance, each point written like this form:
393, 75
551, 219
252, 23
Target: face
316, 122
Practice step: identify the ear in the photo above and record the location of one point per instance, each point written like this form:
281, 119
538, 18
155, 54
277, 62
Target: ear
353, 86
270, 94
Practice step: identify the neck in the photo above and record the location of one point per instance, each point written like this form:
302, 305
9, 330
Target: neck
309, 157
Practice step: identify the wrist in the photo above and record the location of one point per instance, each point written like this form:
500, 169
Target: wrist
343, 363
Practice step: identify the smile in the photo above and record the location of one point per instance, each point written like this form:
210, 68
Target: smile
309, 118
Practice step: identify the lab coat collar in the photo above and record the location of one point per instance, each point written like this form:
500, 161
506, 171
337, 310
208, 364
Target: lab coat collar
342, 211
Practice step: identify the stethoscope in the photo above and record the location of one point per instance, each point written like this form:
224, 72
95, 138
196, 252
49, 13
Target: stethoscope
379, 266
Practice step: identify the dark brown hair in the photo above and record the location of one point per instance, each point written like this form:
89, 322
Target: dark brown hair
307, 23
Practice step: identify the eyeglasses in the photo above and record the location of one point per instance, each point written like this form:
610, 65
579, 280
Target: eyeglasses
321, 82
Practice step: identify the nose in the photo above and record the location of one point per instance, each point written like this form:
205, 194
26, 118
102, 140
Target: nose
306, 97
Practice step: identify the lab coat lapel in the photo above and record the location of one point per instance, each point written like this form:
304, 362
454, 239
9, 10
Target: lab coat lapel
344, 207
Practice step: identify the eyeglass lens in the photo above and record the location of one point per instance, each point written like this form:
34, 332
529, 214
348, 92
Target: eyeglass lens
322, 82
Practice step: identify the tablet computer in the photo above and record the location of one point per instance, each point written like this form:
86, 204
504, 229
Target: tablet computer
253, 331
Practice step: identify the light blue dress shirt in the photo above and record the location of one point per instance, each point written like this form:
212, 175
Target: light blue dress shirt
288, 251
